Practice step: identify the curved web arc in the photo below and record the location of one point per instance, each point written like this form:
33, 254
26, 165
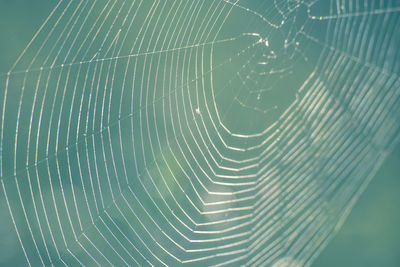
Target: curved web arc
128, 132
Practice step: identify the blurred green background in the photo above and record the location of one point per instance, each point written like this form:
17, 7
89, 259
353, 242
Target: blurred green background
369, 237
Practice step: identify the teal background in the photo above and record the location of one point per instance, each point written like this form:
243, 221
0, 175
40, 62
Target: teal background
369, 237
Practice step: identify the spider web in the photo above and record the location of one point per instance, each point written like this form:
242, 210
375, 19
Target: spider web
207, 132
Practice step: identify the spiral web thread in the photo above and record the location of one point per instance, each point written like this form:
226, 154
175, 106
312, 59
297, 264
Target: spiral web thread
115, 151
